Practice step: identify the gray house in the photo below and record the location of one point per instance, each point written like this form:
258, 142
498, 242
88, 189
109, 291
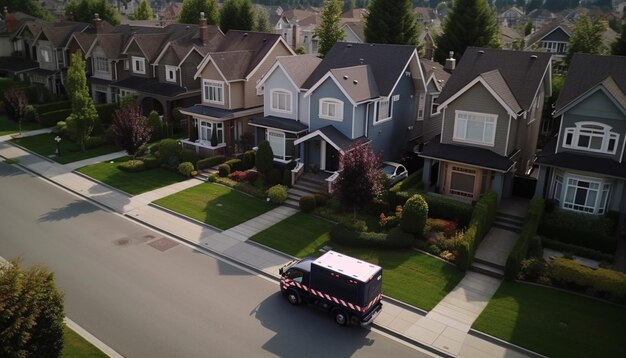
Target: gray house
582, 169
491, 113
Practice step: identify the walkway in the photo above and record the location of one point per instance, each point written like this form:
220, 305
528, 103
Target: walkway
433, 331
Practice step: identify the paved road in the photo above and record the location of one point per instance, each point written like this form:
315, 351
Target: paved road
149, 296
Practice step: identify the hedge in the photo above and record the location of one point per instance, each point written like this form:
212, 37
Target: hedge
442, 207
403, 190
235, 165
580, 229
307, 203
482, 218
50, 119
601, 282
396, 238
210, 162
577, 250
529, 230
53, 106
106, 111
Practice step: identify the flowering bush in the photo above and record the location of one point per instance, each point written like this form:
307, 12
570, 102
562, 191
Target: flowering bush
448, 227
238, 176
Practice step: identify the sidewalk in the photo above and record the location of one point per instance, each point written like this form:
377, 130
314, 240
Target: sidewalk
444, 337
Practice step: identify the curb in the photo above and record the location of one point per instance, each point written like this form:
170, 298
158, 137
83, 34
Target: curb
505, 344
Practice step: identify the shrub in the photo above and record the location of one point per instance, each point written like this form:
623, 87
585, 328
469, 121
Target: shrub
133, 165
321, 198
602, 282
579, 229
577, 250
442, 207
151, 162
252, 176
264, 158
53, 106
212, 178
448, 227
188, 155
409, 187
93, 142
50, 119
210, 162
185, 168
223, 170
353, 224
307, 203
274, 177
235, 165
247, 160
31, 114
155, 122
414, 215
106, 112
480, 223
396, 238
532, 269
277, 194
238, 176
529, 230
169, 148
388, 222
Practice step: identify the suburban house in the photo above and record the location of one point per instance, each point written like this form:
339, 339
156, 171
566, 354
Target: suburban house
15, 52
230, 98
491, 114
511, 16
582, 169
354, 32
356, 94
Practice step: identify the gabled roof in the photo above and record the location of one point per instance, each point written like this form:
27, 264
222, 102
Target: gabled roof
358, 82
84, 40
357, 28
58, 33
333, 137
563, 24
586, 72
299, 68
522, 72
386, 62
184, 46
151, 43
434, 71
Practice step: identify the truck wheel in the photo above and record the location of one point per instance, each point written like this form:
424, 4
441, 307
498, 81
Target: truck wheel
341, 317
293, 297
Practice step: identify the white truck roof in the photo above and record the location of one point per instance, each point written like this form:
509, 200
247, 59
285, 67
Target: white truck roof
347, 265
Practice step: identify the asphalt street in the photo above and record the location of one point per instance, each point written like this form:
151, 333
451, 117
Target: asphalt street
146, 295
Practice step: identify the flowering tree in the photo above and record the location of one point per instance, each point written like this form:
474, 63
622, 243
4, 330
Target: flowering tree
130, 128
359, 182
15, 104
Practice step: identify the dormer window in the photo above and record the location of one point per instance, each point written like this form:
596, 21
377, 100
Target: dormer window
592, 137
139, 65
170, 73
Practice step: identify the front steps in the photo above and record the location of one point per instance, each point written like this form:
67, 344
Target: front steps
307, 184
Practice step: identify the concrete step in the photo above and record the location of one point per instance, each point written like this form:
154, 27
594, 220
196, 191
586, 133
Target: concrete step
308, 186
506, 226
295, 204
312, 180
487, 270
299, 191
510, 216
487, 263
512, 221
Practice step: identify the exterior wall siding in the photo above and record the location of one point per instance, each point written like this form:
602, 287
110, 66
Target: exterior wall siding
329, 89
46, 45
236, 93
360, 120
134, 50
210, 72
556, 35
303, 110
279, 80
250, 97
598, 105
431, 124
188, 70
619, 126
478, 99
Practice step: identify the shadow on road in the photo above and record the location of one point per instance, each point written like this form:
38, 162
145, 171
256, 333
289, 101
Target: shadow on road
307, 331
72, 210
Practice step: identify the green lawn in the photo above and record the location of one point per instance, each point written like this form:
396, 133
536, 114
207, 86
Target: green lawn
76, 347
409, 276
554, 323
8, 126
215, 205
132, 183
45, 145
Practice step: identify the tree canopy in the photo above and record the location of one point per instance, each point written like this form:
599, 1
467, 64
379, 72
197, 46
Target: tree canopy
469, 23
190, 13
85, 9
392, 22
31, 312
143, 11
83, 118
30, 7
329, 31
586, 37
130, 128
618, 48
261, 20
236, 15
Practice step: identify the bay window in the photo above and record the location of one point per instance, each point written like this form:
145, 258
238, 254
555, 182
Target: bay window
282, 144
206, 132
582, 194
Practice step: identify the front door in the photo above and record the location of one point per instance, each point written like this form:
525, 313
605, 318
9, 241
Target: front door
332, 159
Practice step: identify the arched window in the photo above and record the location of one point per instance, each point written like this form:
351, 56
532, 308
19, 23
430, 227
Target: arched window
591, 136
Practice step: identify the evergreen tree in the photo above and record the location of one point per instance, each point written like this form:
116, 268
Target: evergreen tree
328, 31
143, 11
264, 159
586, 37
470, 23
30, 7
236, 15
83, 118
190, 13
84, 11
261, 20
618, 47
31, 312
392, 22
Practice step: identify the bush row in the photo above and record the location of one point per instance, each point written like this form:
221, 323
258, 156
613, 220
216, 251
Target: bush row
210, 162
580, 229
395, 239
529, 230
442, 207
52, 106
599, 282
480, 223
577, 250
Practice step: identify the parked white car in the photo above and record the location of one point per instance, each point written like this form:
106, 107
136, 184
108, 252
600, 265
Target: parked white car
394, 172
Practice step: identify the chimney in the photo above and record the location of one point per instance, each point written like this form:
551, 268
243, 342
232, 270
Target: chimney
97, 22
295, 33
10, 20
204, 30
450, 63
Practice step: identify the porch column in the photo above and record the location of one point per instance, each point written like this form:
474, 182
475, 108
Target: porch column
498, 184
541, 182
322, 155
426, 173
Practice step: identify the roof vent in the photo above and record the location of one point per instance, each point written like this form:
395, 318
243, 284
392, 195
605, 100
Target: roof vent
355, 82
533, 56
349, 45
345, 77
481, 51
245, 34
187, 27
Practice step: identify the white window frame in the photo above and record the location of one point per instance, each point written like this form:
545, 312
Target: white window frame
602, 194
205, 130
463, 171
170, 69
461, 125
325, 105
126, 64
434, 106
46, 54
213, 91
421, 104
275, 95
384, 110
99, 63
572, 135
139, 65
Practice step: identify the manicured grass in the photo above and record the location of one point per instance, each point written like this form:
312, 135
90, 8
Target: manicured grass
76, 347
132, 183
8, 126
554, 323
45, 145
409, 276
215, 205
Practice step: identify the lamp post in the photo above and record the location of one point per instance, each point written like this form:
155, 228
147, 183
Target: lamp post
57, 139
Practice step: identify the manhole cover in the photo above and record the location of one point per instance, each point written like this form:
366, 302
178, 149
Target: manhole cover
163, 244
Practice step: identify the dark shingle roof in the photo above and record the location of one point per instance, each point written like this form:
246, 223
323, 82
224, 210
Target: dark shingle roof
218, 113
254, 46
521, 71
385, 61
431, 67
280, 123
587, 71
150, 85
59, 33
466, 154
